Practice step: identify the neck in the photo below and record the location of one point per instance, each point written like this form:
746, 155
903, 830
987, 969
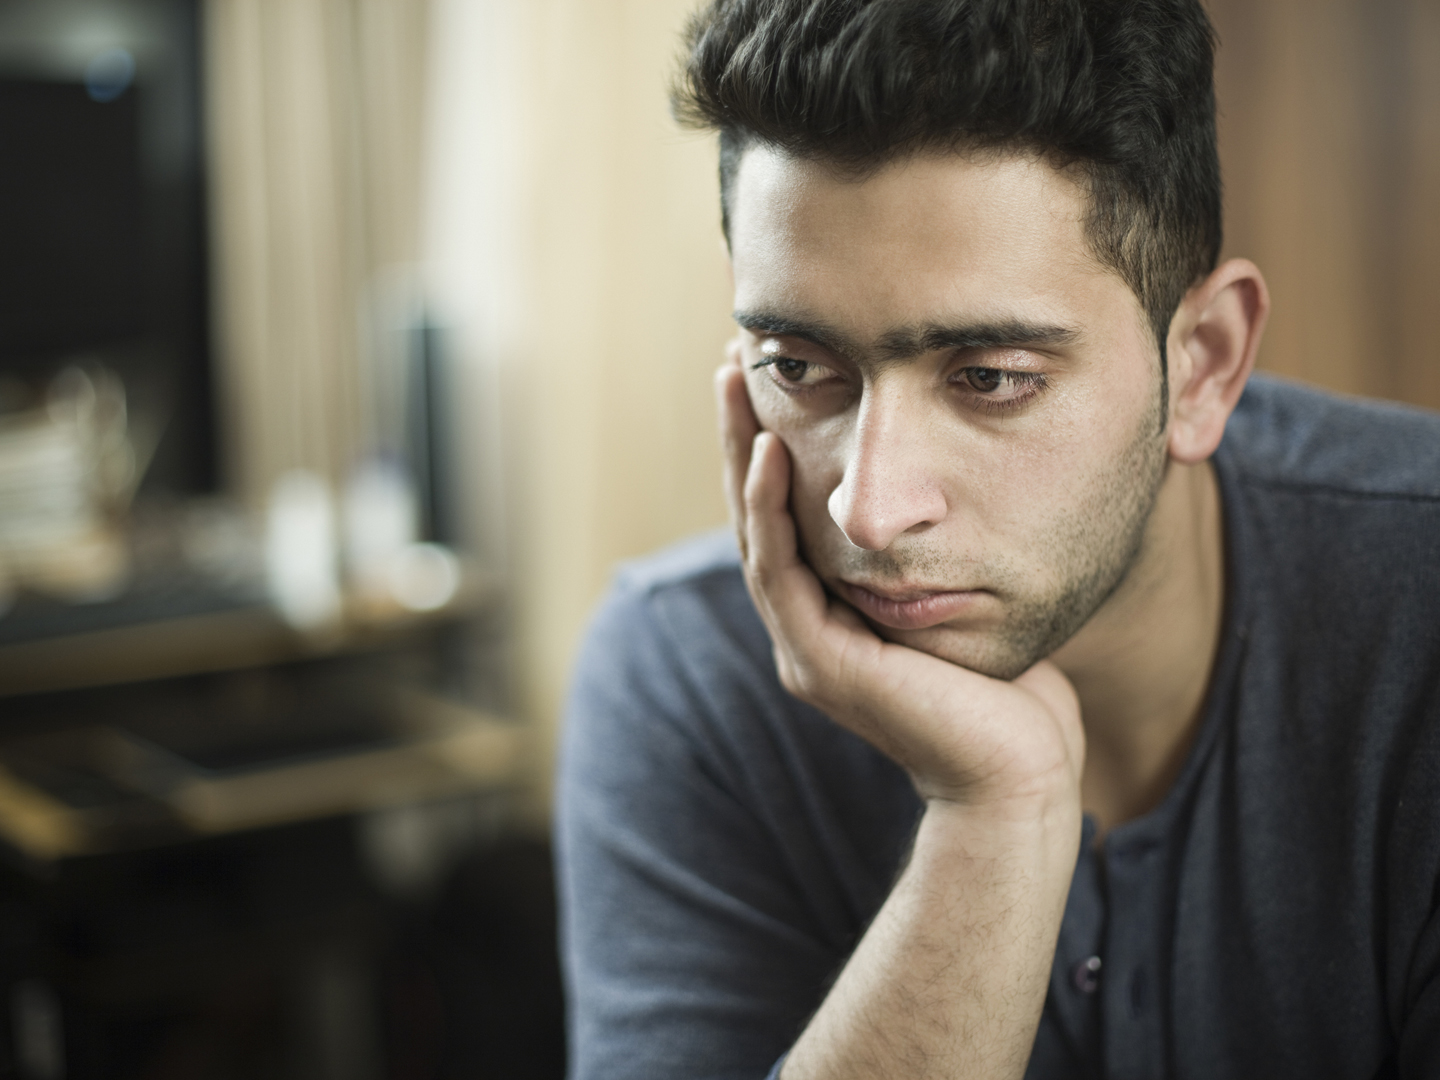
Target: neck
1141, 665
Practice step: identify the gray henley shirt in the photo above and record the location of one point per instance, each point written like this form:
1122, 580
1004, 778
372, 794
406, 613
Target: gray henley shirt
722, 846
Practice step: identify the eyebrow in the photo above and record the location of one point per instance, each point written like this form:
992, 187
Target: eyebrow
906, 343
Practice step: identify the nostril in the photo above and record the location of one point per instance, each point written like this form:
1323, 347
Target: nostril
872, 515
869, 539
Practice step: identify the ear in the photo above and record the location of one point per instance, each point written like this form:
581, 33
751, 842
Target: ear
1211, 350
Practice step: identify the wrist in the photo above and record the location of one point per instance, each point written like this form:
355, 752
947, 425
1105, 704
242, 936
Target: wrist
1051, 796
1023, 831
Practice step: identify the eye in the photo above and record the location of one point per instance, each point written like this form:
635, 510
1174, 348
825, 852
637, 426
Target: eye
791, 374
984, 379
996, 389
790, 370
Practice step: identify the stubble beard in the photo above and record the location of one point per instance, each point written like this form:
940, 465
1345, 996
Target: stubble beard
1096, 544
1101, 545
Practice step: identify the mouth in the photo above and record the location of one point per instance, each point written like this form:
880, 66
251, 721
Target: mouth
909, 609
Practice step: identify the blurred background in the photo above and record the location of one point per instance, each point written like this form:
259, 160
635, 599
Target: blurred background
345, 346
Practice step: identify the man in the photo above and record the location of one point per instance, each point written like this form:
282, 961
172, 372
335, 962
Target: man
1068, 709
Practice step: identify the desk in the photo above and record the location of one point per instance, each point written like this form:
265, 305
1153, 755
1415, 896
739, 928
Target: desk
183, 710
194, 871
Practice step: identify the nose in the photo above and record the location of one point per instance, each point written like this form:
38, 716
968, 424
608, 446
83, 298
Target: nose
891, 484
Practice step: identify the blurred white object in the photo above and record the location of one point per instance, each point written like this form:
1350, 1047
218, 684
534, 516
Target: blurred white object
67, 473
221, 542
424, 577
380, 522
301, 557
389, 570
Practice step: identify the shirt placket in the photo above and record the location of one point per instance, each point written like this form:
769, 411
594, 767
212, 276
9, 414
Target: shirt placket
1131, 982
1075, 980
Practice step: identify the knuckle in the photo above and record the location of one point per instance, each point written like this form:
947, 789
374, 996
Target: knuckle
794, 682
760, 577
783, 670
798, 677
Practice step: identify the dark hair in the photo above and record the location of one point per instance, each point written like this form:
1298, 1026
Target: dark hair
1121, 90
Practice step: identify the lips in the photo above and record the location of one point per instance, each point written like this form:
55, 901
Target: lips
912, 609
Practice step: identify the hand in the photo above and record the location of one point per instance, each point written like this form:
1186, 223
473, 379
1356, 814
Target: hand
963, 737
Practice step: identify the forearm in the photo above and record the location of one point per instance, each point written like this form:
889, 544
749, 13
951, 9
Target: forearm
951, 976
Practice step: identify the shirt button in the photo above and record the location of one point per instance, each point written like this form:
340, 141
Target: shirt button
1086, 975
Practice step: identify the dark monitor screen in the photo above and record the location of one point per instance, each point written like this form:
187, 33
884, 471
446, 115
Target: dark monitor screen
73, 268
103, 249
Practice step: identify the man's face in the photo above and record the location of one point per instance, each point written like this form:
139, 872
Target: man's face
970, 400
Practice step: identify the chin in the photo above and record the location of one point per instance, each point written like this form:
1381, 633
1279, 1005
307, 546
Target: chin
993, 653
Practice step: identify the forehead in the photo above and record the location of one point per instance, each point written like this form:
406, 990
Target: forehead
935, 235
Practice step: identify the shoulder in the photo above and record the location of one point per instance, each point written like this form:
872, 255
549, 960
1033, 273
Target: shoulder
676, 605
1287, 435
1332, 514
676, 642
671, 647
676, 688
1332, 510
681, 565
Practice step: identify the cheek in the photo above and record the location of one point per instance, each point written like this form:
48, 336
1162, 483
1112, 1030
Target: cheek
815, 472
817, 464
808, 430
775, 411
817, 454
816, 469
1073, 465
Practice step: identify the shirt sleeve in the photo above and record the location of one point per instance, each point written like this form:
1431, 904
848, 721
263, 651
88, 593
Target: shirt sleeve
1420, 1035
687, 948
1413, 896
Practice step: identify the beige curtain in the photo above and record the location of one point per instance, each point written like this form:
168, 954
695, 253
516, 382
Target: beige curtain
314, 110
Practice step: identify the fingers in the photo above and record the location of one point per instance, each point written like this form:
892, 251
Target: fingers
738, 428
787, 594
757, 487
769, 527
1048, 683
787, 591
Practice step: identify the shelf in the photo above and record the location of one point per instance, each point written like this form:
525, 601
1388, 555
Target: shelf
165, 629
103, 787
